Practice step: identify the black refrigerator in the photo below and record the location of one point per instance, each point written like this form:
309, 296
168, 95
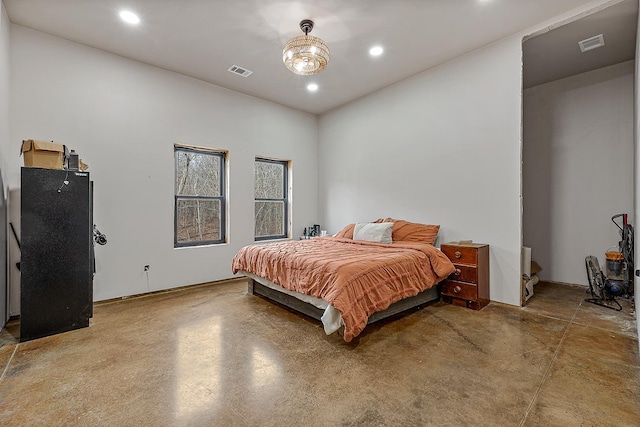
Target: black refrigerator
56, 285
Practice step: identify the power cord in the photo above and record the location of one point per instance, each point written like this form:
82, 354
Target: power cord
65, 182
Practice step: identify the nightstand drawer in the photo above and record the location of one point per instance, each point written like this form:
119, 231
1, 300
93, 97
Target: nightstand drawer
459, 290
465, 273
461, 254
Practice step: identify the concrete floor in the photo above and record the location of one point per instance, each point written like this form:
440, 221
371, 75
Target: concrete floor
215, 356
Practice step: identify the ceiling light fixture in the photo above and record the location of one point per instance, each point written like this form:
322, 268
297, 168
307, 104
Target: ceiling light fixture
129, 17
312, 87
305, 55
376, 51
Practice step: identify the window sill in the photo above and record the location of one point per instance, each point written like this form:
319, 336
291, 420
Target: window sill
210, 245
278, 239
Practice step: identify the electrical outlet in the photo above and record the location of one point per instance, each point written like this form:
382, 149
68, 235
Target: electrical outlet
146, 267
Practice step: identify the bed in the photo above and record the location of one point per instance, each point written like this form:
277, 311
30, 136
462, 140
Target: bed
351, 279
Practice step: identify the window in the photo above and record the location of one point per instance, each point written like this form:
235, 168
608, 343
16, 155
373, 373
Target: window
200, 201
271, 199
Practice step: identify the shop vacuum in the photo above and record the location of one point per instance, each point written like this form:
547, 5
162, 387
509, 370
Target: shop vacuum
618, 280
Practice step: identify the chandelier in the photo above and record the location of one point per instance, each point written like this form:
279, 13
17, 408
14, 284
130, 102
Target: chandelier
305, 55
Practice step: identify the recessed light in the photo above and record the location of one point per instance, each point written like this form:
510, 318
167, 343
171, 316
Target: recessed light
376, 51
129, 17
312, 87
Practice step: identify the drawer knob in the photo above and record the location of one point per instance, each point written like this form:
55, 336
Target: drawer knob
457, 272
457, 289
458, 254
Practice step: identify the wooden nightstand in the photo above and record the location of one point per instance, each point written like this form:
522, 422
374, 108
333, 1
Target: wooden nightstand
468, 286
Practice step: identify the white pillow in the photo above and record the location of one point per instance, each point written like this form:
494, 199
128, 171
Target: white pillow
371, 232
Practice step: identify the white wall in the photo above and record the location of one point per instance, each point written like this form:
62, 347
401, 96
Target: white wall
442, 147
123, 118
4, 87
4, 143
578, 164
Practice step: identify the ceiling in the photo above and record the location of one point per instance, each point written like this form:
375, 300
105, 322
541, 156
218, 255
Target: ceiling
203, 38
556, 54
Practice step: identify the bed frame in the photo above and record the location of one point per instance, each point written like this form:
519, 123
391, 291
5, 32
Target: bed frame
256, 288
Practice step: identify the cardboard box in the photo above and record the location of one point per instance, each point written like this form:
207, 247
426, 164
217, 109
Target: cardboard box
42, 154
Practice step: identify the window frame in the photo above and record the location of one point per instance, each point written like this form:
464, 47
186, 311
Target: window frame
222, 155
285, 200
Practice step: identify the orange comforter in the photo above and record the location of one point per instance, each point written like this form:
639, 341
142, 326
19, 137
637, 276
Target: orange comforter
358, 278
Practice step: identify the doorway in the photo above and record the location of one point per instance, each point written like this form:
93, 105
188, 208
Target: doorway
578, 140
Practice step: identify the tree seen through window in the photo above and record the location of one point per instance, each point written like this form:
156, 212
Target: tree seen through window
271, 199
199, 197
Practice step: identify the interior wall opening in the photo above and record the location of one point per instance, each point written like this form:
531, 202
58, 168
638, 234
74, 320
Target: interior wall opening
578, 142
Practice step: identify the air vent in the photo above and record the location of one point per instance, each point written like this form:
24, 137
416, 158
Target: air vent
591, 43
239, 71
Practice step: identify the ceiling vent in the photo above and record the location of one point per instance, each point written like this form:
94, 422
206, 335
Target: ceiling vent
239, 71
591, 43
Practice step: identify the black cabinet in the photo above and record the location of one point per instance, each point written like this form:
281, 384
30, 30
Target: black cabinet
56, 285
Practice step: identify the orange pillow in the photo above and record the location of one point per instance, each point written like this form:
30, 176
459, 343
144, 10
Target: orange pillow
412, 231
347, 232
